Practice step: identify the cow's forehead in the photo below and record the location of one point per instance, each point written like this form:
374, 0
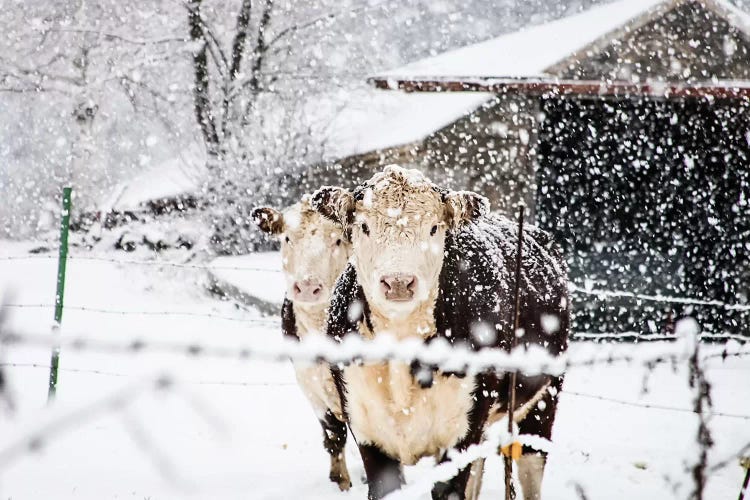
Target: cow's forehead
302, 217
399, 189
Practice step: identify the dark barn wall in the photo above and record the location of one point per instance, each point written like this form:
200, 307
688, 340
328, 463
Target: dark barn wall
491, 150
650, 196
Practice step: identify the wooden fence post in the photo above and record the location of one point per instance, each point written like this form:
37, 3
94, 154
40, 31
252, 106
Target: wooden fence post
510, 493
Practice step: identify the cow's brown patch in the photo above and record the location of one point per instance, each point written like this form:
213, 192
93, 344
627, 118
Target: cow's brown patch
268, 219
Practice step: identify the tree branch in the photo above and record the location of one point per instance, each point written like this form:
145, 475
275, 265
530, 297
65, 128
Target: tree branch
217, 53
238, 46
202, 101
260, 45
112, 36
238, 51
258, 54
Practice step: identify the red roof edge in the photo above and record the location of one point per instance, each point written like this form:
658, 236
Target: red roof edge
549, 87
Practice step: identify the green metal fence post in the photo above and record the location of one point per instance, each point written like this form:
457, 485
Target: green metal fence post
59, 296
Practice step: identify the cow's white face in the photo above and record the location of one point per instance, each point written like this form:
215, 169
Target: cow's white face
398, 222
314, 250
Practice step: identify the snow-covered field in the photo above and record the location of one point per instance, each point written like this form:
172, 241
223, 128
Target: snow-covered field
242, 429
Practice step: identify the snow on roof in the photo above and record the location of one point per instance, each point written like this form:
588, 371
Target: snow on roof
383, 120
389, 119
734, 14
530, 51
167, 180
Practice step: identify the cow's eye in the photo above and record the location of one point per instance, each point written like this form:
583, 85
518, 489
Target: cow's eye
286, 239
338, 242
433, 230
365, 229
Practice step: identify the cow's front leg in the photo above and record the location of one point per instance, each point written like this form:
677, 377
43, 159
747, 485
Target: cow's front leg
530, 474
384, 474
334, 441
455, 489
474, 484
538, 422
467, 483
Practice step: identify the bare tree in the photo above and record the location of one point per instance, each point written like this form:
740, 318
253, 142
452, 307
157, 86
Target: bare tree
77, 68
254, 95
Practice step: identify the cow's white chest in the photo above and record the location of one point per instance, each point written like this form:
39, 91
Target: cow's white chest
386, 407
315, 379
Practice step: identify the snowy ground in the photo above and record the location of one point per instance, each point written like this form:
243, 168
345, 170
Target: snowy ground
241, 429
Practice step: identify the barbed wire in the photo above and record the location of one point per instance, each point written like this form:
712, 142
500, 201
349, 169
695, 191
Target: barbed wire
651, 405
118, 402
571, 286
353, 349
35, 439
596, 336
277, 323
495, 436
155, 263
242, 383
91, 371
657, 298
653, 337
159, 263
268, 322
356, 350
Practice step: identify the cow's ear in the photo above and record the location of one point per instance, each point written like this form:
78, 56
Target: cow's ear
269, 220
464, 206
334, 203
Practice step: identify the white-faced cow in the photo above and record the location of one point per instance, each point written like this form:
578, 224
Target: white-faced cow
314, 252
429, 263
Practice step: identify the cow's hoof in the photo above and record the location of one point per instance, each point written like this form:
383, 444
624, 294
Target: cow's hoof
342, 480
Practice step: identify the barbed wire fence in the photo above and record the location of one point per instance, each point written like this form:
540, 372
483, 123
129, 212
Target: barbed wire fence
678, 349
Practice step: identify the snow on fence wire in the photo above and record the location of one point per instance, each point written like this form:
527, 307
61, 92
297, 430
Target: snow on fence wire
118, 402
438, 354
247, 383
633, 335
354, 349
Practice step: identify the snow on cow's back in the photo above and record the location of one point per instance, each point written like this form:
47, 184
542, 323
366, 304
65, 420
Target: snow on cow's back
480, 266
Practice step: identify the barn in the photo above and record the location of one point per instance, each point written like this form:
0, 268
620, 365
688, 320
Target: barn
625, 130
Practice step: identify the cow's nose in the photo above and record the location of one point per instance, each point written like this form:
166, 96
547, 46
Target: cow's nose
398, 286
307, 290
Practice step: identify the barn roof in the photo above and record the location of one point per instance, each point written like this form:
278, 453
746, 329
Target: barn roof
538, 53
387, 120
524, 61
530, 51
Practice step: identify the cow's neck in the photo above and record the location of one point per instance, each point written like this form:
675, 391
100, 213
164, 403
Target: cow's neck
420, 323
310, 319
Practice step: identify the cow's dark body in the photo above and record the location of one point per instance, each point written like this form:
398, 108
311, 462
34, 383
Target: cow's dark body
476, 284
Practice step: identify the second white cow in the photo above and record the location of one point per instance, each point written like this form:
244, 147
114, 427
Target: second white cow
314, 252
